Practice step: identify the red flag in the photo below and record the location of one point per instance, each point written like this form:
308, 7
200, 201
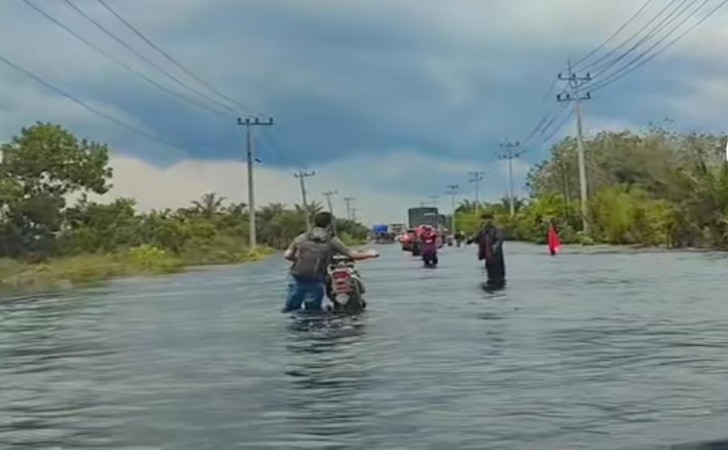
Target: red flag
554, 243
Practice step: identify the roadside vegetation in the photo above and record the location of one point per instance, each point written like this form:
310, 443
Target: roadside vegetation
654, 188
47, 241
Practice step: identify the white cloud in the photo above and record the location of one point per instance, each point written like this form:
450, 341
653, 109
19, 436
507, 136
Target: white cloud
178, 185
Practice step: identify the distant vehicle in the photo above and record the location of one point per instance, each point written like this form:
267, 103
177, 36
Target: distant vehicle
424, 215
407, 240
397, 228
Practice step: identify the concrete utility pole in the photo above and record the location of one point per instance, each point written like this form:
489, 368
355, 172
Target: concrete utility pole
249, 123
348, 201
301, 175
509, 155
452, 190
328, 195
574, 83
476, 177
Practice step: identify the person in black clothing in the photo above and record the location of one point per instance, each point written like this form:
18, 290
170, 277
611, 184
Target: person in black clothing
490, 249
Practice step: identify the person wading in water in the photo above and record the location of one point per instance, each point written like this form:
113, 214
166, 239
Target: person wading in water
490, 249
311, 253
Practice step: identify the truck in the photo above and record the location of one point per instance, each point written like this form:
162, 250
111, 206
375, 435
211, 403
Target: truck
424, 215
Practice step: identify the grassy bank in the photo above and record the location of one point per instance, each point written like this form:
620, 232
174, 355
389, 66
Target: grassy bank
87, 269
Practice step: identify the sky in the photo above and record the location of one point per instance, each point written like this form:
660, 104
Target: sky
387, 101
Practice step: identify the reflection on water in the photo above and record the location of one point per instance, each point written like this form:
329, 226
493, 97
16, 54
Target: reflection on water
327, 370
593, 351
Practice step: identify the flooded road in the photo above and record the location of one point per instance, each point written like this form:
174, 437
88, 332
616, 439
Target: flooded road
598, 350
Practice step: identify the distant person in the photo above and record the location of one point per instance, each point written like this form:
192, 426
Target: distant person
429, 238
311, 254
459, 238
490, 249
554, 242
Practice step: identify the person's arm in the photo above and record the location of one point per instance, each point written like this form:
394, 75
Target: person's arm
292, 250
475, 238
341, 248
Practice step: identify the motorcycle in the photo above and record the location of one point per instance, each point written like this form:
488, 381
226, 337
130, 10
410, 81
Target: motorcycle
430, 259
429, 252
344, 286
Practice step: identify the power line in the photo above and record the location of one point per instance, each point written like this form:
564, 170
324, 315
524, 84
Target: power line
540, 128
348, 201
452, 191
628, 68
119, 63
249, 123
616, 49
615, 34
328, 195
558, 127
574, 82
301, 175
510, 156
476, 177
173, 60
142, 57
661, 26
84, 105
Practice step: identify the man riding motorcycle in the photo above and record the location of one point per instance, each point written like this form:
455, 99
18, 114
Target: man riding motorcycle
429, 238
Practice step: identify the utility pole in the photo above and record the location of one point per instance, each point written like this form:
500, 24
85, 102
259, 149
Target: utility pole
509, 155
328, 195
353, 214
348, 201
574, 83
452, 190
476, 177
249, 123
301, 175
433, 199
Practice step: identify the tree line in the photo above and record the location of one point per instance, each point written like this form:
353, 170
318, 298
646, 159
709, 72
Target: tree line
655, 188
46, 164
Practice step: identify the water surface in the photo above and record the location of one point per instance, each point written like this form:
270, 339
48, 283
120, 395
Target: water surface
590, 349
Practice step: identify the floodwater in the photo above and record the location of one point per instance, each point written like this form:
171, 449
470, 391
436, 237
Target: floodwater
590, 349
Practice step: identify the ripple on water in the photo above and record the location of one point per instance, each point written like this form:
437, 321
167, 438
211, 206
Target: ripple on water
590, 349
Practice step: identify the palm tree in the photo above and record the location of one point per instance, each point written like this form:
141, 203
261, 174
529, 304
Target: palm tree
467, 206
518, 203
310, 209
209, 205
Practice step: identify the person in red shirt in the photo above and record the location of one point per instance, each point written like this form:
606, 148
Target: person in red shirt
429, 245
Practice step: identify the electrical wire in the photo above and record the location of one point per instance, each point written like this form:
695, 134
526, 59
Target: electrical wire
663, 24
541, 125
85, 105
172, 59
615, 34
144, 58
119, 63
560, 125
628, 69
635, 63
